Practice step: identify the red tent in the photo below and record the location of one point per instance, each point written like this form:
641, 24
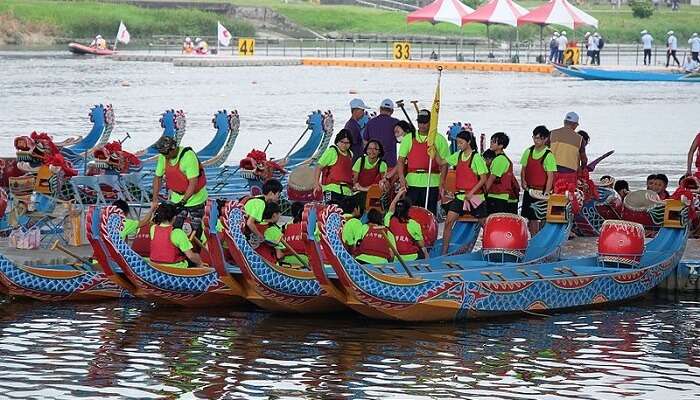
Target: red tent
558, 12
451, 11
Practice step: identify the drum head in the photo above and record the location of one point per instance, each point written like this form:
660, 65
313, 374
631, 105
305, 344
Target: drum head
302, 178
642, 200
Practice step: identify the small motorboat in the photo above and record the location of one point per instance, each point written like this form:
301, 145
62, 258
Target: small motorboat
77, 48
633, 76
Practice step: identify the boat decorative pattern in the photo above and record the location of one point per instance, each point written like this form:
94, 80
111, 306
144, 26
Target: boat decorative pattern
109, 126
271, 281
326, 121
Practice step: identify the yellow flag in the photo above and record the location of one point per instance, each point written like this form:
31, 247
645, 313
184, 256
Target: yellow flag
434, 113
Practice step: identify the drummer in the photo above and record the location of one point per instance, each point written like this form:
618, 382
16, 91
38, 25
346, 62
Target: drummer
333, 175
255, 207
370, 169
471, 175
537, 173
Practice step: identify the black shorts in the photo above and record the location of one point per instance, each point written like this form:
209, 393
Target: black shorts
417, 196
513, 207
457, 206
494, 205
527, 211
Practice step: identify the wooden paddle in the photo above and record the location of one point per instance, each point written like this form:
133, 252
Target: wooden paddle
294, 253
297, 142
57, 246
396, 254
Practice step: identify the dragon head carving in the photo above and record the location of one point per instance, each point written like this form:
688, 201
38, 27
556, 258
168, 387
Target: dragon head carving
112, 157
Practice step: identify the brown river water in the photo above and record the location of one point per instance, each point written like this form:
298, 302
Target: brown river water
645, 349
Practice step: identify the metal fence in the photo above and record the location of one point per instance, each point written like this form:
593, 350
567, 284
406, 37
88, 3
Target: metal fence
441, 49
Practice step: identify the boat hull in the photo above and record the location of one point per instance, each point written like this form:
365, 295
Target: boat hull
77, 48
629, 76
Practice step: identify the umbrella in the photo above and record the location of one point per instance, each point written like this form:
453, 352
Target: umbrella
557, 12
451, 11
504, 12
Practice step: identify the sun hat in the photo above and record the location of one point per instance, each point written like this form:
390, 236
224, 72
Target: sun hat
571, 117
358, 103
387, 103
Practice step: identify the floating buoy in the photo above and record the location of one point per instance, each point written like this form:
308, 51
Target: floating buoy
254, 82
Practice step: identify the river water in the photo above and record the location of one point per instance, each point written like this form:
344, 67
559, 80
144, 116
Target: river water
649, 348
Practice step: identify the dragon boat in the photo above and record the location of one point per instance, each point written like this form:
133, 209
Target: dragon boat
598, 74
191, 287
624, 268
174, 124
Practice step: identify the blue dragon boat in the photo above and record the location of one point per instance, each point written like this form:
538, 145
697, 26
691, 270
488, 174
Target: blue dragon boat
597, 74
498, 289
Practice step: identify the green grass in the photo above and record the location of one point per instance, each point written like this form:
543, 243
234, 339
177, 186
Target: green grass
83, 19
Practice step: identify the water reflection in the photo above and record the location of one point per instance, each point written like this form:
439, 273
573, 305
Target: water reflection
137, 350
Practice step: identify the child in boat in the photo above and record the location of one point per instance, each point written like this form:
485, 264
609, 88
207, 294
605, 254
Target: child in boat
376, 243
471, 175
606, 181
352, 229
650, 182
370, 169
499, 183
537, 172
622, 188
131, 226
170, 246
272, 233
660, 184
407, 232
333, 175
254, 207
292, 235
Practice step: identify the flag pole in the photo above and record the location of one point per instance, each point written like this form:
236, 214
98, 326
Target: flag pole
218, 50
116, 37
432, 149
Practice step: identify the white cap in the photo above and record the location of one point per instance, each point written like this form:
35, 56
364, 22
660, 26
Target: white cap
188, 39
358, 103
99, 36
596, 34
387, 103
563, 33
670, 33
198, 39
643, 32
556, 33
695, 34
587, 34
571, 117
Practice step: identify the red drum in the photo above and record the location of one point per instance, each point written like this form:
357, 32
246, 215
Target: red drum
644, 207
505, 238
427, 222
621, 242
301, 184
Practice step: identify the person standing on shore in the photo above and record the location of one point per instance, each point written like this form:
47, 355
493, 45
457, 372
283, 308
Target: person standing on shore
562, 41
554, 47
694, 43
381, 128
357, 111
569, 149
671, 48
587, 42
647, 41
592, 45
600, 42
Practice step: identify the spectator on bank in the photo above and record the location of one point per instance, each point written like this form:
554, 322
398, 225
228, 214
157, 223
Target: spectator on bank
671, 48
647, 41
554, 47
694, 43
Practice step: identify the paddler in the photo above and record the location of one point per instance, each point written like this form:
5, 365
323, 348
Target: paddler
333, 175
538, 166
293, 234
170, 246
381, 128
357, 111
413, 152
376, 241
255, 207
407, 231
271, 233
370, 169
185, 181
471, 174
569, 150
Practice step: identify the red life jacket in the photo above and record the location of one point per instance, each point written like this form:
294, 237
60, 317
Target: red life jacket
697, 152
370, 176
265, 250
339, 173
466, 179
418, 158
535, 175
405, 244
374, 243
175, 179
163, 251
142, 242
503, 184
293, 236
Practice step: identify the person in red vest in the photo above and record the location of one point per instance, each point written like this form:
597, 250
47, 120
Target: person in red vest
471, 174
170, 246
271, 233
374, 247
370, 169
333, 175
692, 154
407, 232
499, 184
537, 172
185, 181
254, 207
293, 235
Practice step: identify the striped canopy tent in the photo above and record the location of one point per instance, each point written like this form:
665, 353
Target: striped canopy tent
450, 11
504, 12
557, 12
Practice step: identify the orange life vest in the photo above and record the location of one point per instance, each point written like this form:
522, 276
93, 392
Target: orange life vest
176, 180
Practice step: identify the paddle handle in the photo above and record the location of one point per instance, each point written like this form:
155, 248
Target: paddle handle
396, 254
297, 142
57, 246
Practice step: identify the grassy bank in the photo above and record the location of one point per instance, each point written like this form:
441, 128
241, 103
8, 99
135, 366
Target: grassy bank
83, 19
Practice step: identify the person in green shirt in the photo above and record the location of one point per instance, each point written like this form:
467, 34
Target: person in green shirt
414, 162
184, 179
254, 207
537, 173
294, 246
471, 175
131, 226
333, 175
352, 229
170, 246
407, 232
370, 169
376, 242
499, 183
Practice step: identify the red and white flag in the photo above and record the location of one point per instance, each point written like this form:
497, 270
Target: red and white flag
224, 35
122, 34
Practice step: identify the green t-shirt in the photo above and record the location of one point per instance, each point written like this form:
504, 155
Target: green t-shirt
421, 179
130, 226
550, 163
499, 167
327, 159
273, 234
375, 259
478, 165
219, 229
255, 207
189, 165
352, 231
413, 226
368, 165
179, 239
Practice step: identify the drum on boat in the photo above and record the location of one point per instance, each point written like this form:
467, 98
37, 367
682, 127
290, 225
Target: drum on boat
300, 186
505, 238
644, 207
621, 243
